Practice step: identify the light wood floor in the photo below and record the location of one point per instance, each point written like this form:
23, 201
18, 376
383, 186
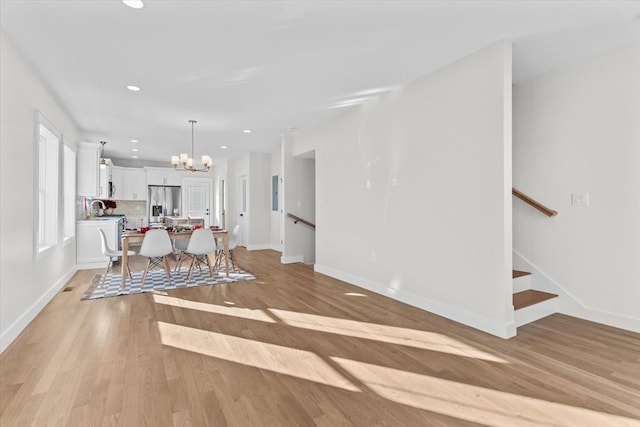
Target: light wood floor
298, 348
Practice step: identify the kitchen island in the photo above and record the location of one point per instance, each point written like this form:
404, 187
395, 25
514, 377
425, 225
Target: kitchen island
88, 242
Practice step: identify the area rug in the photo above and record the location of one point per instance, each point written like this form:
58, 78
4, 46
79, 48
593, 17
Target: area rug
157, 281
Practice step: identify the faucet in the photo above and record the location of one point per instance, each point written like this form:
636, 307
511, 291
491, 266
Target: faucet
91, 207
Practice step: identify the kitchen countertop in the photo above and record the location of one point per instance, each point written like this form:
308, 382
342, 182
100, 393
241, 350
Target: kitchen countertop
102, 218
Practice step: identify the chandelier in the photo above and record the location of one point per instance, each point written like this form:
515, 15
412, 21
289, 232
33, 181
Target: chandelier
185, 163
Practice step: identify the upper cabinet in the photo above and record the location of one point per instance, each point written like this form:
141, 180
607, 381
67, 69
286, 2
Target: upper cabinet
104, 181
117, 183
135, 184
163, 176
88, 167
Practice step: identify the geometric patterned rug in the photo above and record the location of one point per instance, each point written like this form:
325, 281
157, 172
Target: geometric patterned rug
157, 281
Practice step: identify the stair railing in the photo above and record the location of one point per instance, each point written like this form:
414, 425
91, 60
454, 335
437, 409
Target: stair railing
539, 206
297, 218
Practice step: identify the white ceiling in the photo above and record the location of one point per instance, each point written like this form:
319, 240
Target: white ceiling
269, 66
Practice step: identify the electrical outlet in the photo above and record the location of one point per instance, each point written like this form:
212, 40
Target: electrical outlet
579, 199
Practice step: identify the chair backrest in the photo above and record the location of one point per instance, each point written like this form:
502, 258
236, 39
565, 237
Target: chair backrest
106, 250
233, 240
181, 244
156, 243
201, 242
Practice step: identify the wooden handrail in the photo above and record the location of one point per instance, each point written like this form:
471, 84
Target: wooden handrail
542, 208
297, 218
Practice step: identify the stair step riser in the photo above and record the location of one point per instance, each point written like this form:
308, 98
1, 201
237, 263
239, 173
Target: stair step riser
521, 283
536, 311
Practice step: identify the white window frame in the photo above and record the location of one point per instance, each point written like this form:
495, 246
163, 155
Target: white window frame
68, 225
46, 186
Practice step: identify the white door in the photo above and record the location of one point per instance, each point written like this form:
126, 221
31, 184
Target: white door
196, 199
223, 204
242, 210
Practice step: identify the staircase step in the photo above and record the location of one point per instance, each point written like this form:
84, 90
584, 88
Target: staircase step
530, 297
521, 281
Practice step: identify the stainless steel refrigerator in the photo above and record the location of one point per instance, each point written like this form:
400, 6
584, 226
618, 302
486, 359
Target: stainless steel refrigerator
164, 200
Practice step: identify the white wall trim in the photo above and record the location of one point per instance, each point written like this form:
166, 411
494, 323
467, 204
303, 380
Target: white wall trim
91, 265
569, 303
12, 332
291, 259
263, 246
491, 326
277, 248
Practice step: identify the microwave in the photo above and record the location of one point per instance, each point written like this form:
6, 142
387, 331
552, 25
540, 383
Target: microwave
111, 190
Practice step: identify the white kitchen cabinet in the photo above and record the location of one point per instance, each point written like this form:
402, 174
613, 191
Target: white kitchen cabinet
88, 244
163, 176
135, 184
87, 169
117, 183
105, 178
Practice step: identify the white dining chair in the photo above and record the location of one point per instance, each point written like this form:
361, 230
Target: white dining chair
111, 254
233, 242
180, 246
201, 244
156, 245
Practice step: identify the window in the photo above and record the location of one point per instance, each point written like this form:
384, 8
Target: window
69, 194
48, 147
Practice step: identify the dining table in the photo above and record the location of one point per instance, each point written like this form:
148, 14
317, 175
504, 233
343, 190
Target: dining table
129, 237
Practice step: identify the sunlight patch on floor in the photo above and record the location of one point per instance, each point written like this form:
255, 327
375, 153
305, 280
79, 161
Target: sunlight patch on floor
276, 358
245, 313
389, 334
473, 403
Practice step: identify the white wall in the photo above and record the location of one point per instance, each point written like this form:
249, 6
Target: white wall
577, 130
413, 192
276, 216
26, 285
259, 182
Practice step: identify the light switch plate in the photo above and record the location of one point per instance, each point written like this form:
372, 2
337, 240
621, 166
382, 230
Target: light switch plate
579, 199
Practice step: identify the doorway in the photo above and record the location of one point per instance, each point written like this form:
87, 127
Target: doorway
196, 199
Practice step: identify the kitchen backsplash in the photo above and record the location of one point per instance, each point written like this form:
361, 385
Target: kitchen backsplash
135, 211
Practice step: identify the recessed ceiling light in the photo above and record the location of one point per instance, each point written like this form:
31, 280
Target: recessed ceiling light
134, 157
291, 129
133, 88
247, 131
134, 149
224, 147
134, 140
136, 4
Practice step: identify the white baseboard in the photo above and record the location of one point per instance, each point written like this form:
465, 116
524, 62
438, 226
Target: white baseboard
292, 259
12, 332
569, 303
91, 265
491, 326
259, 247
